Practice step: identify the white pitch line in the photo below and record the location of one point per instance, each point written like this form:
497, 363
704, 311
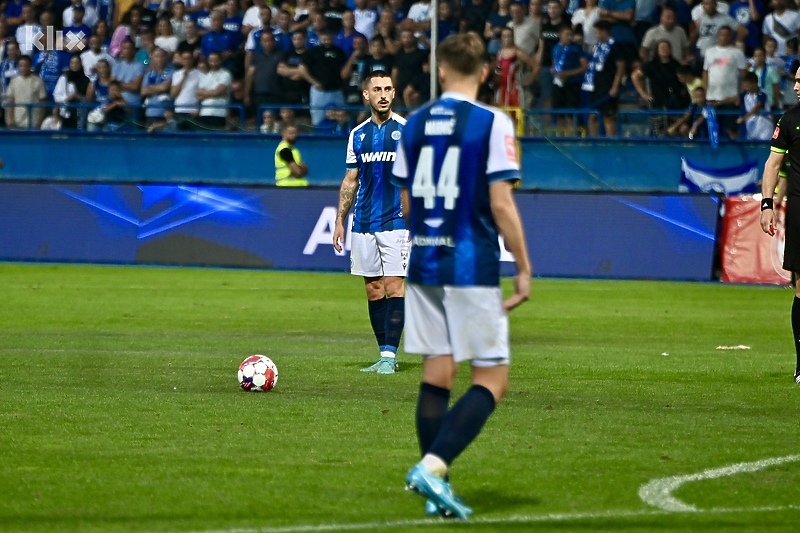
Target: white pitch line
658, 492
513, 519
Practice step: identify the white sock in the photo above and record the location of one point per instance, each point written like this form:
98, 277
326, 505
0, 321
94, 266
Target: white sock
389, 355
434, 465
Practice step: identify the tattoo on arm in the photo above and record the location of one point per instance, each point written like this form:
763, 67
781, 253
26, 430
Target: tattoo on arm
346, 195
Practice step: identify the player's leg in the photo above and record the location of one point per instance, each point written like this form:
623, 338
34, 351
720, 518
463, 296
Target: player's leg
796, 330
393, 251
365, 262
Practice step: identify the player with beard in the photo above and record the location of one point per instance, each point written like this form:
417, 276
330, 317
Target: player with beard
379, 238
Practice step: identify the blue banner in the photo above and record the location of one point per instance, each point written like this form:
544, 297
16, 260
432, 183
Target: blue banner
575, 235
738, 179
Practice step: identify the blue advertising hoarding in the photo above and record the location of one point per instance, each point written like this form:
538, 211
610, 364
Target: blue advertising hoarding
606, 235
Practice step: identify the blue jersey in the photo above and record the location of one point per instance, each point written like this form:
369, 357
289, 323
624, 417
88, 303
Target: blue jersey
372, 150
452, 150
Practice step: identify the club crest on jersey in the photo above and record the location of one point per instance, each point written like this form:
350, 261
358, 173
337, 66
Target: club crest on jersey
777, 132
396, 135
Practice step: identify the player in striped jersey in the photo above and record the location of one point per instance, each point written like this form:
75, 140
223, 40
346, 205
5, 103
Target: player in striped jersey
379, 238
456, 165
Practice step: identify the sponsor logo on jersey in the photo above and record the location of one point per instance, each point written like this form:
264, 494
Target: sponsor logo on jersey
438, 240
378, 157
777, 132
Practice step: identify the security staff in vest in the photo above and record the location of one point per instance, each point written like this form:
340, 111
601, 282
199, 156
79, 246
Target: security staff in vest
289, 167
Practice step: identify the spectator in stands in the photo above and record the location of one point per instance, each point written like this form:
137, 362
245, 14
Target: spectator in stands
268, 122
782, 24
24, 88
77, 34
379, 59
527, 31
447, 25
474, 15
253, 17
409, 62
621, 15
5, 38
551, 30
147, 46
689, 79
213, 92
130, 28
398, 9
668, 31
53, 122
499, 17
767, 79
366, 19
418, 19
319, 25
337, 122
191, 43
569, 66
603, 81
295, 88
749, 13
185, 83
27, 30
219, 40
116, 112
156, 86
233, 21
103, 33
70, 91
694, 124
165, 37
92, 55
344, 39
262, 82
97, 93
723, 66
14, 14
355, 70
290, 171
302, 14
333, 11
149, 16
646, 16
129, 73
71, 18
787, 71
658, 85
168, 123
283, 31
758, 125
178, 20
322, 68
508, 70
387, 29
9, 68
49, 65
704, 30
202, 17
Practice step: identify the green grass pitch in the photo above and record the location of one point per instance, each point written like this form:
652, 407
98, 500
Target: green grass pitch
120, 411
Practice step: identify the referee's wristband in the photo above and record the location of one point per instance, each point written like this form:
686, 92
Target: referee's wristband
767, 203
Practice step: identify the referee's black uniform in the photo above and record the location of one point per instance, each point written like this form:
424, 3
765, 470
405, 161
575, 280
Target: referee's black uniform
786, 140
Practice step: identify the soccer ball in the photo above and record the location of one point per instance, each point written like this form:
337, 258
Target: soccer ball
258, 373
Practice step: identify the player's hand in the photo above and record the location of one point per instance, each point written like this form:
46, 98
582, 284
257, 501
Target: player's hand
338, 237
768, 221
522, 291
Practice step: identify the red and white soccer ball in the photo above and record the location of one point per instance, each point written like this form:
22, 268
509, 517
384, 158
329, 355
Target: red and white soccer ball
258, 373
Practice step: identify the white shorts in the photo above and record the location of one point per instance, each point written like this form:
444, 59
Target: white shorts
374, 255
468, 323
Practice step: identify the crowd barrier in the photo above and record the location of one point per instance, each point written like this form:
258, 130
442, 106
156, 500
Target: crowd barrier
586, 235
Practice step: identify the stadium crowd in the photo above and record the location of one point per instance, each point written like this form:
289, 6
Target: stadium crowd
701, 70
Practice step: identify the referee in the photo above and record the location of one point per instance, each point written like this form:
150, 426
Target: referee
786, 144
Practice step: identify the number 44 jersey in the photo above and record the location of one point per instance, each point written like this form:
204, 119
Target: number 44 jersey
451, 151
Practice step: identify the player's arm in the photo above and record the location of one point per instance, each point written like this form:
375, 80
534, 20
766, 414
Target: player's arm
506, 216
768, 182
347, 193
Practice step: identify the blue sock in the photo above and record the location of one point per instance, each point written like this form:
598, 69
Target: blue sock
432, 405
463, 423
395, 320
377, 317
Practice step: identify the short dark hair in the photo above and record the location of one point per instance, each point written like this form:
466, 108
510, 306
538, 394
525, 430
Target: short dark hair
377, 73
27, 58
602, 25
750, 77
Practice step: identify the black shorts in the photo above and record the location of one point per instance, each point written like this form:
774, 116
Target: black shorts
567, 97
605, 104
791, 250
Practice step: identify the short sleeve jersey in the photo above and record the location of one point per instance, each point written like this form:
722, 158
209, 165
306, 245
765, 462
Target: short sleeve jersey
372, 150
452, 150
787, 139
